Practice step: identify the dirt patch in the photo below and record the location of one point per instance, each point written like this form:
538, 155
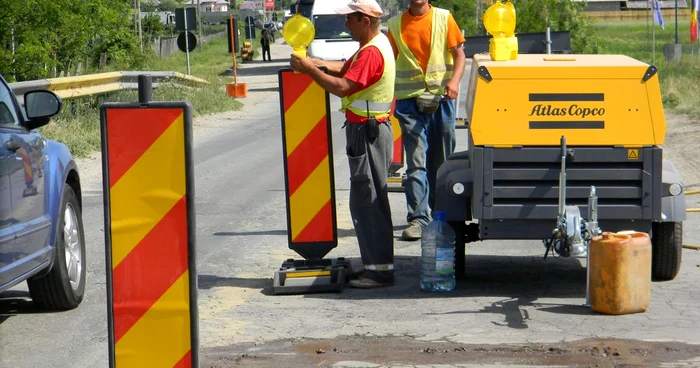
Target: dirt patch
363, 351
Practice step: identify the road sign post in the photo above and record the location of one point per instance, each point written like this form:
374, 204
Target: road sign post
186, 20
187, 48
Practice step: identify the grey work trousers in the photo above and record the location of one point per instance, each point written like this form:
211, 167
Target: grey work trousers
369, 161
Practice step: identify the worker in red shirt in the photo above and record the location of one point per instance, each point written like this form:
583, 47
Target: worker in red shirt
366, 85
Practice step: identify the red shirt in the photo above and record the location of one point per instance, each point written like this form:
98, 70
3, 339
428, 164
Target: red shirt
365, 71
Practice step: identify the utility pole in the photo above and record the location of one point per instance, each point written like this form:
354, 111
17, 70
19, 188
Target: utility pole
199, 27
677, 21
478, 12
138, 17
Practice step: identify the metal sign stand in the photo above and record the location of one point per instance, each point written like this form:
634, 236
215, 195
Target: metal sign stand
187, 43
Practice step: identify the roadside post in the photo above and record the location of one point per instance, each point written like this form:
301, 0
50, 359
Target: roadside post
308, 178
186, 21
235, 89
148, 187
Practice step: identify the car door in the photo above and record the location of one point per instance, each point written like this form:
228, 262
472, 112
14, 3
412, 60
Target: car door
8, 122
29, 199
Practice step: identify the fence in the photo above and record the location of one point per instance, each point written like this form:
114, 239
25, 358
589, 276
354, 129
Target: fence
165, 46
675, 51
637, 15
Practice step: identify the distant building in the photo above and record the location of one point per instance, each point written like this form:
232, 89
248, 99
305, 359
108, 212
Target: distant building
210, 6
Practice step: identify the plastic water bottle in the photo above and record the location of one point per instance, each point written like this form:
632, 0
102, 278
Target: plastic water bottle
437, 270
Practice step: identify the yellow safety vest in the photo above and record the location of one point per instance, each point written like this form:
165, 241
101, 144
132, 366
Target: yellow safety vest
410, 79
376, 99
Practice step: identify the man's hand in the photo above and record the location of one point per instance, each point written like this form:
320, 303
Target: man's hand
301, 64
451, 90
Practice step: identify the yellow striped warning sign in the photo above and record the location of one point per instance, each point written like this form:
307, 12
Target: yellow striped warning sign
149, 235
308, 164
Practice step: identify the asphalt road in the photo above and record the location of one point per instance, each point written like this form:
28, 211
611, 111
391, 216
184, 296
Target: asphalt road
511, 294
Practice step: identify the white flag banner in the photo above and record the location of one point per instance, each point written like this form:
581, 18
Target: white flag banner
656, 13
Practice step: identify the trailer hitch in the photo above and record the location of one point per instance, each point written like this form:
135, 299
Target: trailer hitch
573, 234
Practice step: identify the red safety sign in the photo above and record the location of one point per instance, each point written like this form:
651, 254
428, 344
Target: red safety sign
308, 165
397, 160
149, 234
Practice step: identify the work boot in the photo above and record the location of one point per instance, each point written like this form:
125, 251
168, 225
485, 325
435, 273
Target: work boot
413, 231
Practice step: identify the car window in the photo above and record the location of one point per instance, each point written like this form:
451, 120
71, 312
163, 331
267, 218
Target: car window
8, 113
330, 27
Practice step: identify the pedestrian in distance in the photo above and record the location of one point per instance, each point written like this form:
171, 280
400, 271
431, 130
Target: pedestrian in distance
365, 84
265, 43
427, 44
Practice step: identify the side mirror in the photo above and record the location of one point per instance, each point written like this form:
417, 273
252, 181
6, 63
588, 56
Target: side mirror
40, 106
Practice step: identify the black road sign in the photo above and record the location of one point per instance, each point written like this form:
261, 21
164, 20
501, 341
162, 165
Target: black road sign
180, 19
191, 42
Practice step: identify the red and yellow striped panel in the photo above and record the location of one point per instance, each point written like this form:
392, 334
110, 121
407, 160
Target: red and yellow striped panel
306, 125
397, 158
149, 237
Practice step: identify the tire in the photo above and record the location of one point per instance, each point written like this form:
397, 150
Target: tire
666, 250
58, 290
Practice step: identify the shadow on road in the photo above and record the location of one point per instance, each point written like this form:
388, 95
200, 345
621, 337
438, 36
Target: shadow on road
268, 89
206, 282
255, 70
16, 302
518, 281
342, 233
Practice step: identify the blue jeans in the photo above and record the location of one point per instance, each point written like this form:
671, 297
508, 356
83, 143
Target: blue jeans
428, 140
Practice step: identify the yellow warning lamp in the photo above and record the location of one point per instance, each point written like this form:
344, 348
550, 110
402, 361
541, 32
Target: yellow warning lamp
298, 32
499, 21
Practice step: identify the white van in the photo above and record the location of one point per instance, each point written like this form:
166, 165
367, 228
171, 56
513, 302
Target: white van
332, 40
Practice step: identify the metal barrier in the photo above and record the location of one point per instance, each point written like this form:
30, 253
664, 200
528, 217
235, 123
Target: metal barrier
96, 84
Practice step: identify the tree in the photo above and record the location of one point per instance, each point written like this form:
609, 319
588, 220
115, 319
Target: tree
152, 26
559, 15
532, 16
170, 5
41, 38
464, 12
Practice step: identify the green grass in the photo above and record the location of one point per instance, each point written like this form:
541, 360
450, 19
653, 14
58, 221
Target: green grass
679, 81
78, 124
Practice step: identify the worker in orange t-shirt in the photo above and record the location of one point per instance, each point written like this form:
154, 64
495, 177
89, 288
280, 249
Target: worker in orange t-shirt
430, 62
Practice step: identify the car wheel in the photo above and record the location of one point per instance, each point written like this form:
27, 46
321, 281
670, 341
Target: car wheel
666, 250
64, 286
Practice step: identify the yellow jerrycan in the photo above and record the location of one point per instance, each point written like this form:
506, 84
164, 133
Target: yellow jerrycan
620, 272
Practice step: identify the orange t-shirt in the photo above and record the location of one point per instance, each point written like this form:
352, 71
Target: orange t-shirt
416, 33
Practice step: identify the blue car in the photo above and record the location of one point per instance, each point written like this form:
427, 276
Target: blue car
41, 229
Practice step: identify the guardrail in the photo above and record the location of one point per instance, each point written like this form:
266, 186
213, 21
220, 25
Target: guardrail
96, 84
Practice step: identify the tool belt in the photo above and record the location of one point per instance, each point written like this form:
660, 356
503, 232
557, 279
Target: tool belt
428, 103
